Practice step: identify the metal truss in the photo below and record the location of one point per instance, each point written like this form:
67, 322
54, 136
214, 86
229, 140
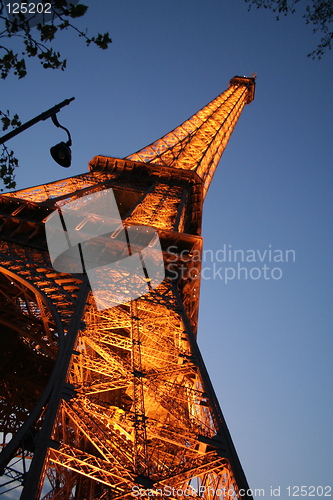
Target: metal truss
198, 143
116, 403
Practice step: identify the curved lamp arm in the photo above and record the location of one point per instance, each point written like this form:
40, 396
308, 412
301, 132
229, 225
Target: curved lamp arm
57, 124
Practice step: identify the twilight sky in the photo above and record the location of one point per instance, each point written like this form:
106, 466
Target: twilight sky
267, 342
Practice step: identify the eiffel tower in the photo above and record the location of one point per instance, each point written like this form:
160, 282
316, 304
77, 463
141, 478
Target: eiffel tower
116, 403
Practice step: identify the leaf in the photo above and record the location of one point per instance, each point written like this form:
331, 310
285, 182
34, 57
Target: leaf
8, 163
15, 121
102, 41
77, 10
5, 122
47, 32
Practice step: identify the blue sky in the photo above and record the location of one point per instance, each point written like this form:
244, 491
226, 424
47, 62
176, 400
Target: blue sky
267, 343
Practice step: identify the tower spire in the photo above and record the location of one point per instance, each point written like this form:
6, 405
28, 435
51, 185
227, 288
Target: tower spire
199, 142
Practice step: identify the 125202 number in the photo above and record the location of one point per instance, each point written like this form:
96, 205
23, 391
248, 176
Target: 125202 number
29, 8
309, 491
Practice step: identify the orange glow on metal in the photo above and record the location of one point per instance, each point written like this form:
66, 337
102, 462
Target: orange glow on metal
141, 413
199, 143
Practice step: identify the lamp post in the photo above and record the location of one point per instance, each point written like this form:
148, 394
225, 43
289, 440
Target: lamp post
61, 152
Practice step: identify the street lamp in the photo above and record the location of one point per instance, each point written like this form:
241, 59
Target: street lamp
61, 152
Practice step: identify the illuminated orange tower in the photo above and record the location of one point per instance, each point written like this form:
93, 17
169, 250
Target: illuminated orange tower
116, 403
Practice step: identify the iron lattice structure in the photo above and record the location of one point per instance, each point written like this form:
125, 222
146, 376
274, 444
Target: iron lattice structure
96, 404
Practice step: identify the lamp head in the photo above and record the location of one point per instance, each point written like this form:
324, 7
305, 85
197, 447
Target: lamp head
61, 153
